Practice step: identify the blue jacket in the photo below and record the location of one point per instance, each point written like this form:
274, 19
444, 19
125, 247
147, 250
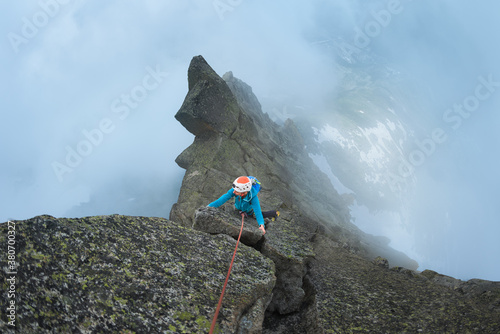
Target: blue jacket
249, 204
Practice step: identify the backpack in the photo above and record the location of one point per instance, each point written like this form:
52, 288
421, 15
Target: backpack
255, 184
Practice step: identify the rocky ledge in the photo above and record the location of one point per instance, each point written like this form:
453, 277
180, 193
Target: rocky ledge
119, 274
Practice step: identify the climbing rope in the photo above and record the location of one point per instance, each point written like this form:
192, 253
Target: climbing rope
227, 278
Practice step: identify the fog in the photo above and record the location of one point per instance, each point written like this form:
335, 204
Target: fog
89, 91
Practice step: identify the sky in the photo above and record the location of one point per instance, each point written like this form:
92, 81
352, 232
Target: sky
89, 91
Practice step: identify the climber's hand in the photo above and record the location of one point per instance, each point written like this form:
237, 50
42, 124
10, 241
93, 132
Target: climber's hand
261, 227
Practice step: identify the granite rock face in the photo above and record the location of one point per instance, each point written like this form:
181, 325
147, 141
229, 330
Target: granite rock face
119, 274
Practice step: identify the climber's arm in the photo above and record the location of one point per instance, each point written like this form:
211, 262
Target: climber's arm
223, 199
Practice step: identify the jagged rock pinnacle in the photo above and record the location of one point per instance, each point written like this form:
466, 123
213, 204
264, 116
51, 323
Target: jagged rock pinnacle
209, 107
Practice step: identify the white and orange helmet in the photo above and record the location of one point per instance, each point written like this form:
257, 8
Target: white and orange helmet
242, 184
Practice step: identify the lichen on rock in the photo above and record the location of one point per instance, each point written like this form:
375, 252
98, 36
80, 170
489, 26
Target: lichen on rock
118, 273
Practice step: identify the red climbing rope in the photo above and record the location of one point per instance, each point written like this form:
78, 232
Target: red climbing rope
227, 278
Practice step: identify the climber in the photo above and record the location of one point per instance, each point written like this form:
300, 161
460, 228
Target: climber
245, 189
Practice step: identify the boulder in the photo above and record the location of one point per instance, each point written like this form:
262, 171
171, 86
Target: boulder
381, 262
217, 221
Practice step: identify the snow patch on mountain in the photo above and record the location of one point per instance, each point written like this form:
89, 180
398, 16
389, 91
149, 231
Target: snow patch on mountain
373, 146
330, 134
